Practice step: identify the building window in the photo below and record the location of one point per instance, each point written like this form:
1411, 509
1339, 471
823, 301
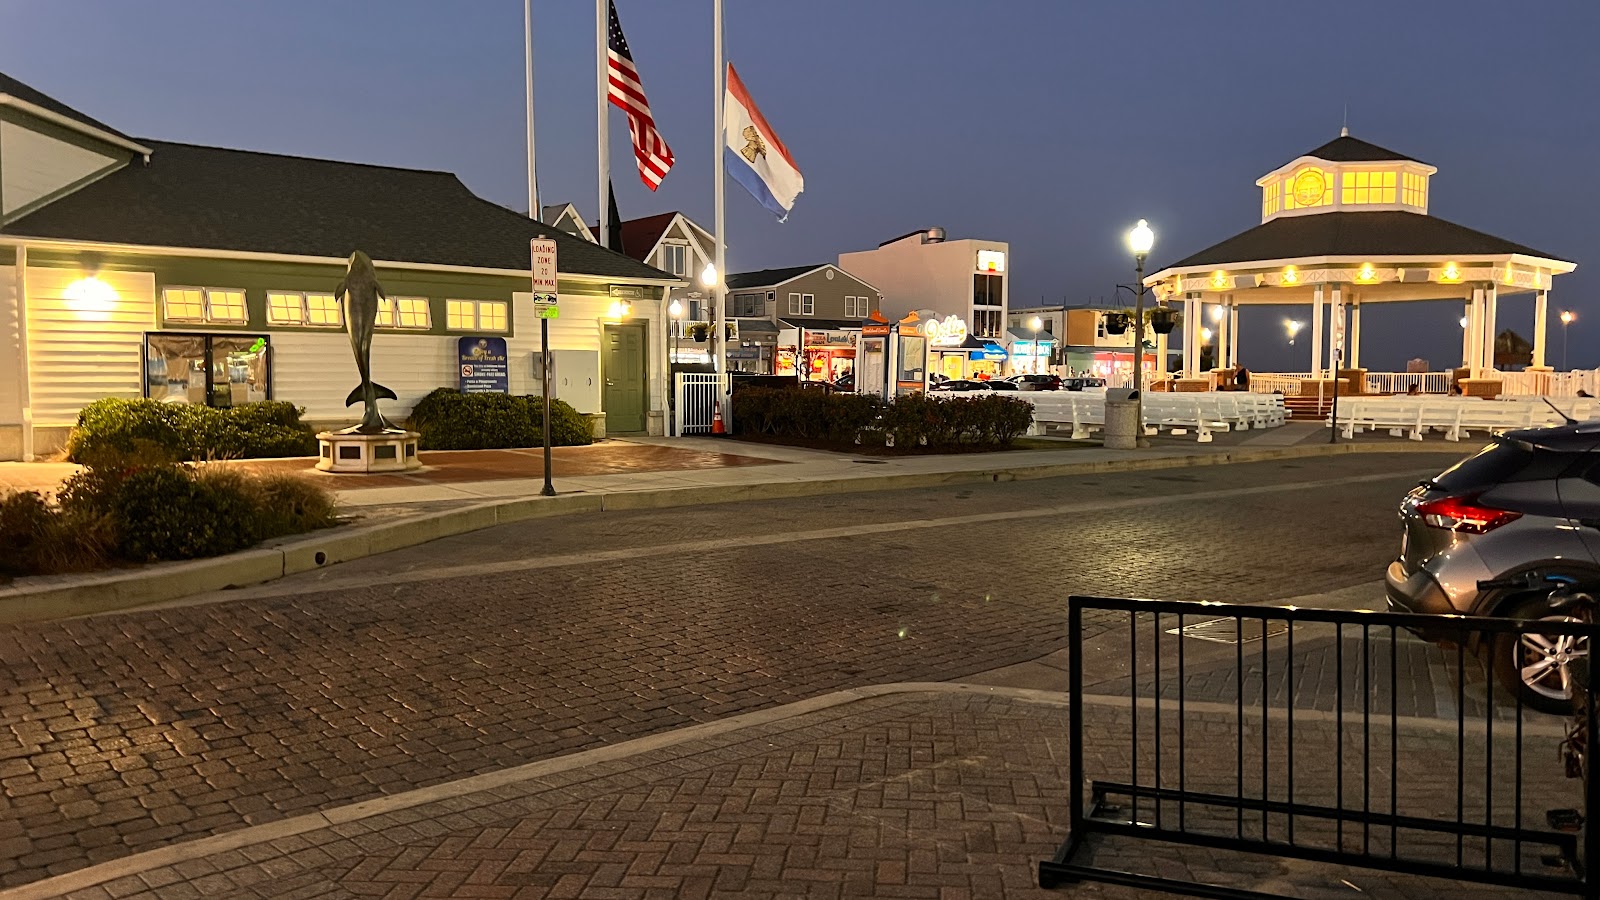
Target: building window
1359, 188
295, 308
188, 304
1270, 199
1414, 190
856, 307
749, 305
802, 304
407, 312
1307, 188
222, 370
988, 290
476, 315
674, 258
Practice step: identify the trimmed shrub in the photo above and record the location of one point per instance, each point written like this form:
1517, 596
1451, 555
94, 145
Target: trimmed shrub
181, 432
165, 512
913, 421
447, 419
292, 504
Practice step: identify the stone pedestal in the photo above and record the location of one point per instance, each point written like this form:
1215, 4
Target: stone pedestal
1487, 388
348, 451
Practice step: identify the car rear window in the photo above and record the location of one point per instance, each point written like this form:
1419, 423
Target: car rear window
1497, 462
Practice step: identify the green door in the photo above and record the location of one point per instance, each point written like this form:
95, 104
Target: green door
622, 366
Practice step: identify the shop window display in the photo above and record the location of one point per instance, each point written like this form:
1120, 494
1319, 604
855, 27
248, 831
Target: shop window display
221, 370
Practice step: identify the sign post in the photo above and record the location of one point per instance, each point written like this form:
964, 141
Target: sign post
543, 252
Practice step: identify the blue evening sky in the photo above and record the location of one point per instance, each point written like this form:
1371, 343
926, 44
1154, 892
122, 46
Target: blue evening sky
1051, 124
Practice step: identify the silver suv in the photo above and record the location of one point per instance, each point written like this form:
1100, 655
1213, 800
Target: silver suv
1494, 534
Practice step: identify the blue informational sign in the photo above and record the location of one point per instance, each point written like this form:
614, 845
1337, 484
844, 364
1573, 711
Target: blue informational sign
484, 367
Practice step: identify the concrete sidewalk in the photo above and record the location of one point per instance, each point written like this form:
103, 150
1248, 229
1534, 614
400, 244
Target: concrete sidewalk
911, 790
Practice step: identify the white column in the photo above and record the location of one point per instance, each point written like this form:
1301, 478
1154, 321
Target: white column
1475, 333
1335, 330
24, 378
1355, 334
1491, 305
1221, 360
1233, 334
1161, 357
1316, 332
1541, 304
1466, 335
1189, 317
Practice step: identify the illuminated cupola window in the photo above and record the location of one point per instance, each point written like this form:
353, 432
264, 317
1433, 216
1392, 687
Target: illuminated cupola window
1349, 175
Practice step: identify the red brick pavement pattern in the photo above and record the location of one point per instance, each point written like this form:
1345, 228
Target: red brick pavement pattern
133, 731
935, 796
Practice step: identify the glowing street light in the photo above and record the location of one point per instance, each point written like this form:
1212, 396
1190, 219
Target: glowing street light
1036, 323
1292, 326
1567, 318
1140, 239
708, 275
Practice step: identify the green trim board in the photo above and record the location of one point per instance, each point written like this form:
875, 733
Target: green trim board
257, 277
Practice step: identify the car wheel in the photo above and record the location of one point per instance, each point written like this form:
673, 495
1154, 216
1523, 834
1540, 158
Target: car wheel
1535, 666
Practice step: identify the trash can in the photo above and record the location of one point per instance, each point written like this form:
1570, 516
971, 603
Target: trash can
1122, 419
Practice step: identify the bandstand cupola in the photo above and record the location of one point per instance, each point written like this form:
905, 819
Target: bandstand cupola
1345, 175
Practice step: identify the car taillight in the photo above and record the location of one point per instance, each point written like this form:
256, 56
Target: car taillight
1464, 514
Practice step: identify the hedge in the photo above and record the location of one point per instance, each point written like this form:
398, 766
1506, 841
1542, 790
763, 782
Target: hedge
185, 432
915, 420
450, 420
125, 508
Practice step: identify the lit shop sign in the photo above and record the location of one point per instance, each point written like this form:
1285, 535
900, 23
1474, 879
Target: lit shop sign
949, 331
991, 261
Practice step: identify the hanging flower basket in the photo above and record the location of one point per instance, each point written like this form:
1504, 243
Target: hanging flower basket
1163, 319
699, 331
1117, 323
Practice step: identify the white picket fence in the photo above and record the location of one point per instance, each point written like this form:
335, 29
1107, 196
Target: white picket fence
1549, 384
694, 402
1455, 417
1204, 413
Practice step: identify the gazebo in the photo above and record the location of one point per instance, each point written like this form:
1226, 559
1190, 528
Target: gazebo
1347, 225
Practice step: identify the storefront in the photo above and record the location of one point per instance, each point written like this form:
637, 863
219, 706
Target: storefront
816, 354
1030, 356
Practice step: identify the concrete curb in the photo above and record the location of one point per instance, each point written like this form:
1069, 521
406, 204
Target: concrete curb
346, 817
68, 597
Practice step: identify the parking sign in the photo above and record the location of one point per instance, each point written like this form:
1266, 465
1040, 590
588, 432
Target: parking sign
544, 269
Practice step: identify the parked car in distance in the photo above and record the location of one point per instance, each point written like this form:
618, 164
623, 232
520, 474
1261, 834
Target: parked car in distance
966, 384
1082, 383
1002, 385
845, 382
1039, 382
1494, 535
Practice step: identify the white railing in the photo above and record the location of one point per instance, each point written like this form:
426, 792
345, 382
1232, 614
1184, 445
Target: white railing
1455, 417
695, 397
1548, 384
1085, 412
1285, 383
1402, 382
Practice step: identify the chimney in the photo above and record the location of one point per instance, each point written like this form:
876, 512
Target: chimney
933, 235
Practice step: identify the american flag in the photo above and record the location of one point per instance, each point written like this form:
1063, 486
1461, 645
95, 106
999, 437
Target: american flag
649, 148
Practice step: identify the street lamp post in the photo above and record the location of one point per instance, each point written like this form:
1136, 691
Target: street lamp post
1140, 240
675, 311
1567, 318
1037, 324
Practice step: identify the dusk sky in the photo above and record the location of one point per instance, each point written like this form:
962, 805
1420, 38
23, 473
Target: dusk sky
1051, 125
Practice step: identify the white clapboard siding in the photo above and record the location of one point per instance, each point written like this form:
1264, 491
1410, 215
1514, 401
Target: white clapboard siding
10, 350
317, 371
33, 165
581, 327
78, 354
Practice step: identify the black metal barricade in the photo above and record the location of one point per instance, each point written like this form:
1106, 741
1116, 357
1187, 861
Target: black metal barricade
1323, 735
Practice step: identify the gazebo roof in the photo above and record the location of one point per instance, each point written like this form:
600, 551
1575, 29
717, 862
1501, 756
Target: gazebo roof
1345, 148
1386, 233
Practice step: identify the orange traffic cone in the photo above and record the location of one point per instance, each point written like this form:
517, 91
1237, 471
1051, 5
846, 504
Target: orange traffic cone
716, 418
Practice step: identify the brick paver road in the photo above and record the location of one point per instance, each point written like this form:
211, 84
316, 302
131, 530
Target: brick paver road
914, 795
472, 654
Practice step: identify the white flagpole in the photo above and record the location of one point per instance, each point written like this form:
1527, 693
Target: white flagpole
719, 291
602, 27
527, 52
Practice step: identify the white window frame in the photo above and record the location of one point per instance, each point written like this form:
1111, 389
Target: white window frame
666, 263
794, 304
206, 314
389, 313
477, 325
303, 304
808, 304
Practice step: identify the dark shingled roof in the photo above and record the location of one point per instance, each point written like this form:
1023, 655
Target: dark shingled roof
209, 198
820, 324
17, 89
768, 277
1387, 233
1348, 149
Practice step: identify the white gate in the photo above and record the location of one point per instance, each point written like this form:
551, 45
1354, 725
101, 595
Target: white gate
695, 396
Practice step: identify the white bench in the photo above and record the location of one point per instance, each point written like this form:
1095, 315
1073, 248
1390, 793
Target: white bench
1178, 413
1456, 417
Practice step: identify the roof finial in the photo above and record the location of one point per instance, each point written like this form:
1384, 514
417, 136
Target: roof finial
1344, 130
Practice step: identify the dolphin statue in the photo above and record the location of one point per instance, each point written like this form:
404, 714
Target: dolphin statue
359, 291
